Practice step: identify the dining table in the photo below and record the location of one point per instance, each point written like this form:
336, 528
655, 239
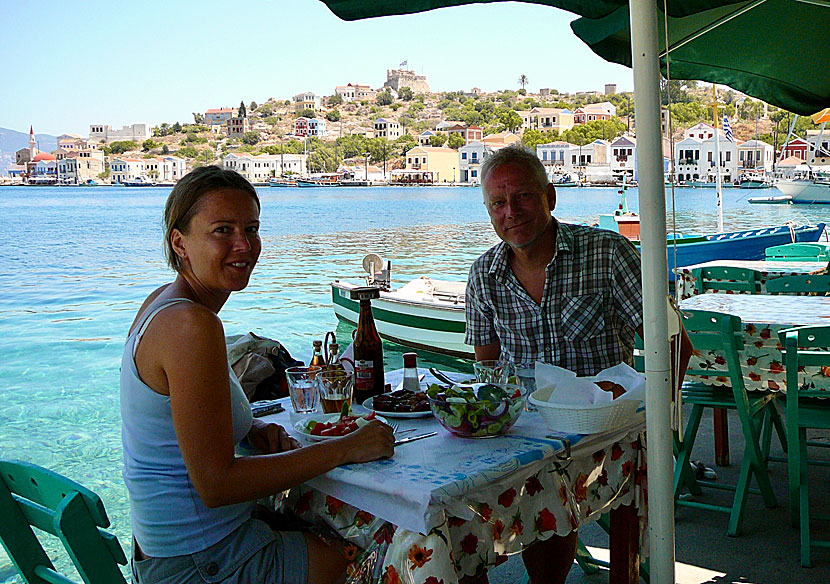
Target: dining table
445, 507
685, 282
762, 316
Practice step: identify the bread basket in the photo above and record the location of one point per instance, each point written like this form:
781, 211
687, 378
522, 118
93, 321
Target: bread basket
582, 419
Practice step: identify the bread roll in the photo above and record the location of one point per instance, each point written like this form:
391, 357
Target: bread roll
615, 388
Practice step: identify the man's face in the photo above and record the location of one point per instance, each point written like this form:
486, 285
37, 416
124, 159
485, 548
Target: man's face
519, 208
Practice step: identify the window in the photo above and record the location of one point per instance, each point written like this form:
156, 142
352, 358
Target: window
710, 157
475, 173
728, 156
463, 156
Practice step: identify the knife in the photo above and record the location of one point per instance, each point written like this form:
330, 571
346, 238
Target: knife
413, 438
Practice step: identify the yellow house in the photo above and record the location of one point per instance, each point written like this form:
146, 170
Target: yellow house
440, 163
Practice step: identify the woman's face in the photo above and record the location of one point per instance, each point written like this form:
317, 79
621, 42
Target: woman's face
222, 243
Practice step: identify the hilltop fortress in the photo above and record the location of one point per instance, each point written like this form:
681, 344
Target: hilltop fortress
397, 78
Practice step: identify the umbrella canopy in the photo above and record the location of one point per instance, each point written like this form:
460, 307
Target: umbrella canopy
822, 116
769, 49
764, 48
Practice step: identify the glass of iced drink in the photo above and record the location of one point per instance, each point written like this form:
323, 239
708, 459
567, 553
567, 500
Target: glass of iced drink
304, 388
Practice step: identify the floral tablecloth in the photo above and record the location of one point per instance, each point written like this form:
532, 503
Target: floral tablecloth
445, 507
763, 316
685, 283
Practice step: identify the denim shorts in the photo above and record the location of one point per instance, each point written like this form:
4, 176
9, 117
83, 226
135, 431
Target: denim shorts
252, 553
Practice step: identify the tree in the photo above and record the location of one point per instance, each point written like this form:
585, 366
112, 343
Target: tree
456, 140
165, 149
149, 144
406, 93
253, 106
437, 140
243, 113
333, 115
187, 152
198, 118
306, 113
177, 127
123, 146
250, 138
385, 97
335, 99
405, 143
523, 80
509, 119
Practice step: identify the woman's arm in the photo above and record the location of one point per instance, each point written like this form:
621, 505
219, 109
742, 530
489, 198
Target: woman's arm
194, 361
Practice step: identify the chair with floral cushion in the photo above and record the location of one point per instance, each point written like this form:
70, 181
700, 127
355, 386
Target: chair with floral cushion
807, 408
713, 331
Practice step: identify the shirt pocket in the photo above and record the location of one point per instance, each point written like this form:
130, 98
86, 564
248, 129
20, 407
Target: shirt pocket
582, 317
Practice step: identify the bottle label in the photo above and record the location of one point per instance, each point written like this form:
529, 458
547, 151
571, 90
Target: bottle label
364, 375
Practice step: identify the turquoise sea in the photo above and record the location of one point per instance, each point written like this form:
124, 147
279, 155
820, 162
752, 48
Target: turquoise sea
77, 263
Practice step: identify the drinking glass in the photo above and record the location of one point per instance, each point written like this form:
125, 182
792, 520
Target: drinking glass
303, 388
526, 376
336, 388
493, 371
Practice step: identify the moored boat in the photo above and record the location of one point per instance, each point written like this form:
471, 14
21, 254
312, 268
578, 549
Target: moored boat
282, 182
328, 180
806, 191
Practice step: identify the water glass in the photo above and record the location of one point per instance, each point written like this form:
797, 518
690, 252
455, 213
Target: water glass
303, 388
336, 388
493, 371
526, 377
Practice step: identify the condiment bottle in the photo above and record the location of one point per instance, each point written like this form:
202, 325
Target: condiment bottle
368, 349
317, 358
334, 358
410, 372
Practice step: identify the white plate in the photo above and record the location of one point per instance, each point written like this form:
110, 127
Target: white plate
368, 405
299, 425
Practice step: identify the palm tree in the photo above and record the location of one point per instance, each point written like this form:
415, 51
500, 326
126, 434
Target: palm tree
523, 80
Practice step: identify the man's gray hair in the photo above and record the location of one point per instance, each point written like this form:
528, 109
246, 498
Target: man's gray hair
515, 153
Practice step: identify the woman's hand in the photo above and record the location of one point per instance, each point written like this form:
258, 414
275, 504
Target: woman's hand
370, 442
270, 438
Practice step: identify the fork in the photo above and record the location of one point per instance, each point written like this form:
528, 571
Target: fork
394, 426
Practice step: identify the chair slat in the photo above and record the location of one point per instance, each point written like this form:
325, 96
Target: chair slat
37, 515
799, 284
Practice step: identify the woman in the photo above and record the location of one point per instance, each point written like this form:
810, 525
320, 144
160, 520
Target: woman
183, 412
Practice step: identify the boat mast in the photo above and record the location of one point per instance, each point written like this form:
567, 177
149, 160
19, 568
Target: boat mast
718, 185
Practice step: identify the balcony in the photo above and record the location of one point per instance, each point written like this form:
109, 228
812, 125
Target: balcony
622, 158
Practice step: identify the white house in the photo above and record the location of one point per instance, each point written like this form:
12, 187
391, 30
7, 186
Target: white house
555, 157
755, 155
424, 138
687, 159
387, 128
701, 131
728, 159
624, 157
126, 170
263, 167
470, 157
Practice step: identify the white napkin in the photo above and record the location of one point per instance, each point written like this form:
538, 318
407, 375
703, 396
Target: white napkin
568, 389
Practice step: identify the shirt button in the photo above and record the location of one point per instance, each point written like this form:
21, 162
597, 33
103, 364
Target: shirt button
212, 569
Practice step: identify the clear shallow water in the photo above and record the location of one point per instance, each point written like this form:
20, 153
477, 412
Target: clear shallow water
77, 263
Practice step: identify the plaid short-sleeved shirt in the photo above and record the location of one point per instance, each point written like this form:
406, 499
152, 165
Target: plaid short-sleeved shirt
591, 306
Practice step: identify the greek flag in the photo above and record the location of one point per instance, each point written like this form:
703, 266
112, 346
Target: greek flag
727, 129
404, 63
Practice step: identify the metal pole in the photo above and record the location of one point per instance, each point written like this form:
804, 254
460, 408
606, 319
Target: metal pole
718, 185
644, 41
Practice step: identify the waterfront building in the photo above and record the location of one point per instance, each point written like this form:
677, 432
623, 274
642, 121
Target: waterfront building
470, 158
79, 166
624, 157
701, 131
42, 168
261, 168
387, 128
125, 169
26, 155
555, 157
397, 78
728, 163
439, 163
219, 116
306, 100
102, 134
819, 152
687, 159
799, 148
755, 156
547, 118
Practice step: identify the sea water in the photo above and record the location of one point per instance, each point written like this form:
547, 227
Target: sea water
76, 264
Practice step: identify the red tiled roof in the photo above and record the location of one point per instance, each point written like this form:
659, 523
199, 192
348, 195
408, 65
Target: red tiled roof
42, 156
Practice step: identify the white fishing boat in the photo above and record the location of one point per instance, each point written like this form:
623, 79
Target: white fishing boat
426, 313
809, 188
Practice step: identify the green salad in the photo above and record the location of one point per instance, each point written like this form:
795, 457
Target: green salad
476, 409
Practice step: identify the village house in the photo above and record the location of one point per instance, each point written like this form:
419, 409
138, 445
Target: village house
261, 168
387, 128
79, 166
797, 147
547, 118
71, 142
624, 157
594, 112
238, 126
424, 138
307, 100
309, 127
219, 116
555, 157
124, 170
438, 164
756, 156
355, 92
470, 157
728, 151
819, 151
500, 140
687, 159
702, 131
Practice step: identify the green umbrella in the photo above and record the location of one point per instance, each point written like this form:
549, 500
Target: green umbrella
769, 49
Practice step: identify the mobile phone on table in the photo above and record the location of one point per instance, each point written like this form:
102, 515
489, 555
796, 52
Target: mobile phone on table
265, 407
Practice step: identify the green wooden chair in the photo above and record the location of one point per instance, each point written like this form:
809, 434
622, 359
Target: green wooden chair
723, 333
727, 279
806, 346
817, 284
799, 252
31, 496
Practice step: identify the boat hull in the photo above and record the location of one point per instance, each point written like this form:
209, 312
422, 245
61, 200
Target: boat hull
805, 191
421, 325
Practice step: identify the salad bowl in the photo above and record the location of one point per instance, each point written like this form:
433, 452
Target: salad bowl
477, 410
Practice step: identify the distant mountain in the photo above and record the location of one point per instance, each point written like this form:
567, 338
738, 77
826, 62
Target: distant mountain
11, 141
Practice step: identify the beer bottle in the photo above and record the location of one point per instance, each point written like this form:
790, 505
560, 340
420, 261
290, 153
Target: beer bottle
317, 358
368, 349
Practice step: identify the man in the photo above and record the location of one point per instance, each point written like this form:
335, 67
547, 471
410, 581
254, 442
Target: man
568, 295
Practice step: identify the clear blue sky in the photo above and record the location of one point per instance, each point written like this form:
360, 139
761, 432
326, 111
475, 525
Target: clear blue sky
68, 65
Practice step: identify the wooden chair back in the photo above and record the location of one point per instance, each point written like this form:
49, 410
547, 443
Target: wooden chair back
818, 284
727, 279
31, 496
716, 331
